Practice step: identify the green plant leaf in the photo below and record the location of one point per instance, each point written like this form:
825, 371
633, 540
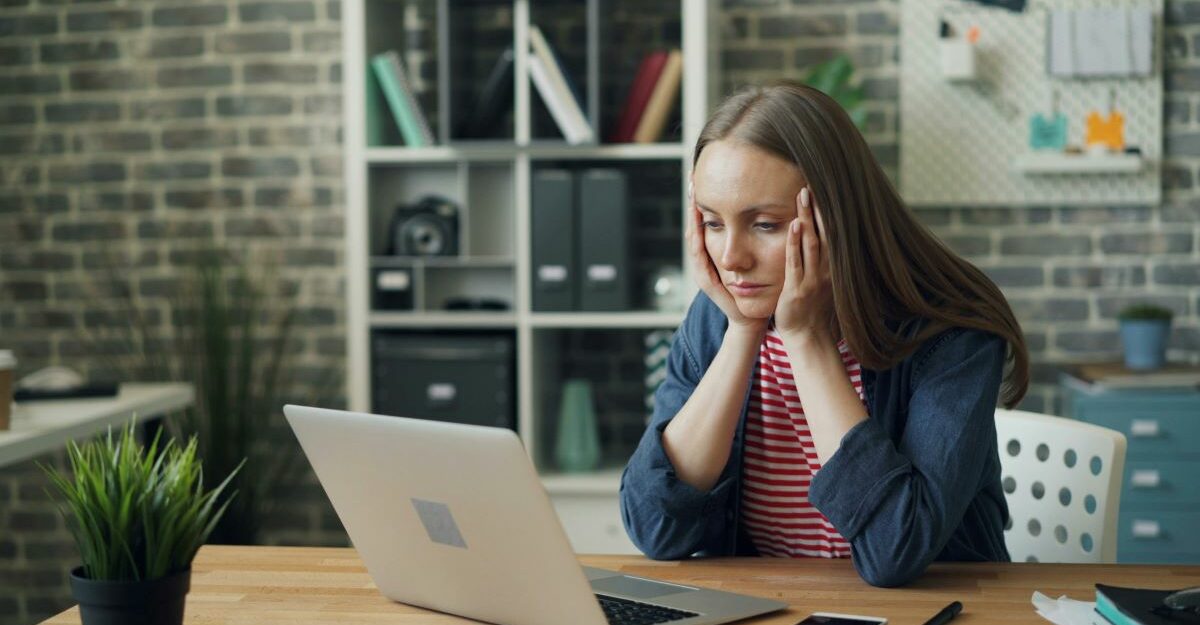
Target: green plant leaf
136, 513
833, 77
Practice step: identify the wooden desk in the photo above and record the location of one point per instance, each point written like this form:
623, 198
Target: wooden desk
311, 586
40, 426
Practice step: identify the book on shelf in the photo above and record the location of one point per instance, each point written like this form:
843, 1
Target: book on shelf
648, 71
375, 103
495, 99
662, 100
551, 82
1114, 375
397, 90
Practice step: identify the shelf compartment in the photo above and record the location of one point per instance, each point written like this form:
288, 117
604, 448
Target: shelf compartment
483, 229
1035, 163
629, 30
645, 239
460, 376
613, 362
480, 35
571, 37
445, 284
391, 187
411, 29
491, 216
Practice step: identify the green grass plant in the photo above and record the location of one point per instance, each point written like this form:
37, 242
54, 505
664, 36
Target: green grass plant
137, 513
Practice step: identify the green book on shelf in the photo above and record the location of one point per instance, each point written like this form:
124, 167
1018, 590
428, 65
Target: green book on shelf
390, 73
375, 126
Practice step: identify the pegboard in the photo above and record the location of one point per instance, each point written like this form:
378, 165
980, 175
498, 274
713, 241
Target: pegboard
959, 141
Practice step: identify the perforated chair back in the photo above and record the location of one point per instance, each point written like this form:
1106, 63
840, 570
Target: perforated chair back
1062, 481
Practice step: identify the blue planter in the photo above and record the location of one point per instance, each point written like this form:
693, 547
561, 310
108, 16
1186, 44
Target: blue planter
1145, 342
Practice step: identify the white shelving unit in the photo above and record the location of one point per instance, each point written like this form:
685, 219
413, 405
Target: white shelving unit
495, 245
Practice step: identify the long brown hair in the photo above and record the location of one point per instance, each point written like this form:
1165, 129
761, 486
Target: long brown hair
886, 267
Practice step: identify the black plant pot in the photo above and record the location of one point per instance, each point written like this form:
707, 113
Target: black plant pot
154, 602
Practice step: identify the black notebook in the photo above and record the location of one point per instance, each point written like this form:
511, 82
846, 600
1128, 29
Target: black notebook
94, 389
1125, 606
495, 99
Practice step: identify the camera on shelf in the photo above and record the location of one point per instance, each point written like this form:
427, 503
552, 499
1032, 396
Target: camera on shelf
427, 228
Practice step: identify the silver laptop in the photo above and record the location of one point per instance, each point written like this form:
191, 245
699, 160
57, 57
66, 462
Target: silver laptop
454, 518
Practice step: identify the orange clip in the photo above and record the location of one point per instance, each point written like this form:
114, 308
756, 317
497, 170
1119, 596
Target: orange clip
972, 35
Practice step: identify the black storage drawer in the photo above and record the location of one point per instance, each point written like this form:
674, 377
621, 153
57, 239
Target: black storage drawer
464, 378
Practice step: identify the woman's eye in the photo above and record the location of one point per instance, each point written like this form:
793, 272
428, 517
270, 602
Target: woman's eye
766, 226
712, 225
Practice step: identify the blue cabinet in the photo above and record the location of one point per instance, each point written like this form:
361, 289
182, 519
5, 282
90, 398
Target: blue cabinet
1160, 494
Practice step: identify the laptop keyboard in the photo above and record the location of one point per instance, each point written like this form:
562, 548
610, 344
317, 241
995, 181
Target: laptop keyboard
626, 612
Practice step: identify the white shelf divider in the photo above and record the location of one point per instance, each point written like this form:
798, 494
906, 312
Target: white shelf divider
484, 151
614, 320
601, 482
443, 261
447, 319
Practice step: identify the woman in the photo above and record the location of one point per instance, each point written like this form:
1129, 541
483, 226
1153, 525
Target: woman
832, 390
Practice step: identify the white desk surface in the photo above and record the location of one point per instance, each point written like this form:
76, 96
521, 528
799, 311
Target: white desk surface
41, 426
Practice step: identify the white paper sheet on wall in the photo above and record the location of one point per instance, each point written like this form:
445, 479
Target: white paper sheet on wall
1094, 43
1141, 40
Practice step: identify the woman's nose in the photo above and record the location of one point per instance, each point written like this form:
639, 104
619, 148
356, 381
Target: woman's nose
737, 255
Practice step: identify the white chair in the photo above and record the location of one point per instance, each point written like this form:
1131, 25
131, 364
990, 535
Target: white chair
1062, 480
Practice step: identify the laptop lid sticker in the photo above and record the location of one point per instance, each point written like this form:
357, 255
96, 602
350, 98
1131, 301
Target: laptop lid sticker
439, 523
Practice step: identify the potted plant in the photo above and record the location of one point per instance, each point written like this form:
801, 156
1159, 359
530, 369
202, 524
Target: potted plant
1145, 329
833, 78
138, 517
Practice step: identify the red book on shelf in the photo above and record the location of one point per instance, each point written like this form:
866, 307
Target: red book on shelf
639, 94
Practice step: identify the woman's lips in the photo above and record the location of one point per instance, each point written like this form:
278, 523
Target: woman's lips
746, 289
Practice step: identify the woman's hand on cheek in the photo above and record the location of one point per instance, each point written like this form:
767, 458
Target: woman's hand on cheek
706, 274
805, 307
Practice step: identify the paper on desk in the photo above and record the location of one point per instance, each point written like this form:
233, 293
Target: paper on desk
1065, 610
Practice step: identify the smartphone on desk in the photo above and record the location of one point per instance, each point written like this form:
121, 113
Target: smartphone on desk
830, 618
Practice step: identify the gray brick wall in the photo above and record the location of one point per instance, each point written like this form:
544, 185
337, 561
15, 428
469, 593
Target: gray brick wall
134, 133
146, 128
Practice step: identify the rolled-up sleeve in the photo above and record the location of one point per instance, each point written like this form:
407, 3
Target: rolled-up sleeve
897, 504
665, 517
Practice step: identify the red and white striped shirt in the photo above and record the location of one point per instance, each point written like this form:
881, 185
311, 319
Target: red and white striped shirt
780, 461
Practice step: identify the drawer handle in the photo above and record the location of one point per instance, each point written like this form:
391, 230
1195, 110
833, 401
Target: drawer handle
1144, 428
1146, 529
1145, 478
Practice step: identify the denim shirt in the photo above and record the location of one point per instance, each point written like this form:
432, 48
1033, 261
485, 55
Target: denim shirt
918, 481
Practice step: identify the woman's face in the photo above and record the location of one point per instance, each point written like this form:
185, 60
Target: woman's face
747, 198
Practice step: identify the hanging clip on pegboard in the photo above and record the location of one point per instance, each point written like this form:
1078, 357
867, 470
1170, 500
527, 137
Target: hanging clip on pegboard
960, 65
1048, 132
958, 53
1106, 133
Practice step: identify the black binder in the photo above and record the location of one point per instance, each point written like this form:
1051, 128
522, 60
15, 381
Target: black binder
553, 242
604, 241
